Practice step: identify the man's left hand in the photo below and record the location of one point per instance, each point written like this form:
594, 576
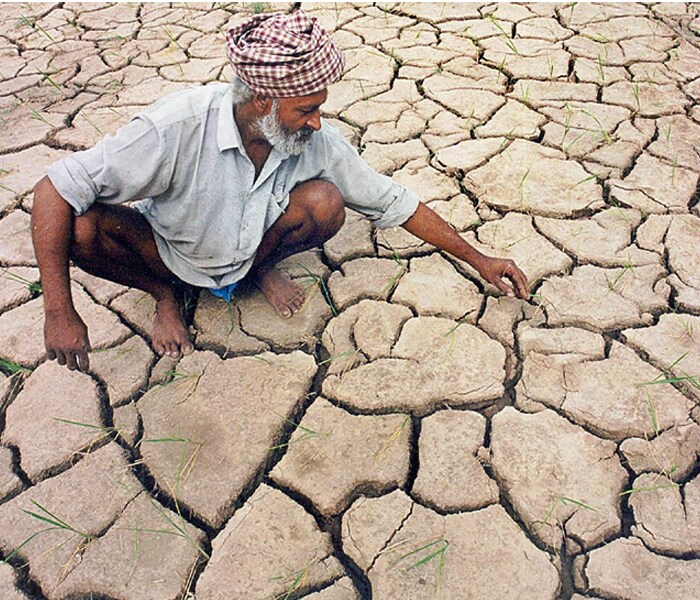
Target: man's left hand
495, 270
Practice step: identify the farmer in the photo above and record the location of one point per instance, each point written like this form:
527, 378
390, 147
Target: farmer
230, 179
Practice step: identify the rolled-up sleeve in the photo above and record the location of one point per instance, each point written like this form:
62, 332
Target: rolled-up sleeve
130, 165
379, 198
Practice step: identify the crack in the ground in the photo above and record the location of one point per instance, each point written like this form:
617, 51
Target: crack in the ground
663, 369
17, 470
443, 512
508, 505
391, 537
23, 580
332, 525
414, 454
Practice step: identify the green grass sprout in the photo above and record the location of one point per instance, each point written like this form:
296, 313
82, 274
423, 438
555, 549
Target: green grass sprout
651, 488
32, 286
567, 500
175, 529
603, 132
33, 23
584, 180
635, 91
392, 439
317, 282
55, 523
668, 377
521, 185
627, 267
307, 433
89, 121
507, 40
431, 550
47, 77
296, 580
11, 368
35, 115
451, 333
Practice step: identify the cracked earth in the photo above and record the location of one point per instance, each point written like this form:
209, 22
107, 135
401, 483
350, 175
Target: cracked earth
410, 433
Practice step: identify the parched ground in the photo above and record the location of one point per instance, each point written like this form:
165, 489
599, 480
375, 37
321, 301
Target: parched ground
411, 433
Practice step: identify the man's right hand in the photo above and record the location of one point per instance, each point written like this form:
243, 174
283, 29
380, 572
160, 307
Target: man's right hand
66, 339
65, 334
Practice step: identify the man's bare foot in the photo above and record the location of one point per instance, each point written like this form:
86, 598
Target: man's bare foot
281, 292
170, 336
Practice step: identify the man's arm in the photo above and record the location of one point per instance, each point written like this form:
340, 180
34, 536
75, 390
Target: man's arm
427, 225
65, 333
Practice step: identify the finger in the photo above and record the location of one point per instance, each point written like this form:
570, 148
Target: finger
50, 354
60, 357
83, 361
502, 286
520, 282
70, 361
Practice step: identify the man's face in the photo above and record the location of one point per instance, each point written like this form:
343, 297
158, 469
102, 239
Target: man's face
291, 121
302, 113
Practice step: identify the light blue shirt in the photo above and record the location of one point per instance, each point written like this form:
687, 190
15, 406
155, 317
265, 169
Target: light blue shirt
184, 160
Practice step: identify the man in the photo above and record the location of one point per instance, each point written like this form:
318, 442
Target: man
229, 181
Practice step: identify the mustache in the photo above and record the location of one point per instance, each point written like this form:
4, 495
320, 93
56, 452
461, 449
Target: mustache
305, 132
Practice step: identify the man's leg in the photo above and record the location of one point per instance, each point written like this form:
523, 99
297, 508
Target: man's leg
116, 243
315, 213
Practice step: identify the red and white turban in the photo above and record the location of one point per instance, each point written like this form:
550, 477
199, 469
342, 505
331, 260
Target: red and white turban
284, 55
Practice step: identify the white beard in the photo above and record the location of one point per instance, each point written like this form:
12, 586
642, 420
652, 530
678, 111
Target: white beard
278, 136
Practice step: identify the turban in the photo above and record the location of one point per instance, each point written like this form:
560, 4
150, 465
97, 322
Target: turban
284, 55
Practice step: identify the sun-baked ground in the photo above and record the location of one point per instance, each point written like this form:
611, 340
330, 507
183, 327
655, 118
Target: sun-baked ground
410, 433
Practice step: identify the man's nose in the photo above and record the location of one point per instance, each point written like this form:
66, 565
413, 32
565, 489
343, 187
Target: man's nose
315, 121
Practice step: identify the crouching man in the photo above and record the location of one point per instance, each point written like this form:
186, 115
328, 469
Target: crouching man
227, 180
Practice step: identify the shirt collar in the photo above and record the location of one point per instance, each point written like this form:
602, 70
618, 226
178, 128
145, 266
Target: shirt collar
227, 134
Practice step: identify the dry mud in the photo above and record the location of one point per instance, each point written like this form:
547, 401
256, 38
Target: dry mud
411, 433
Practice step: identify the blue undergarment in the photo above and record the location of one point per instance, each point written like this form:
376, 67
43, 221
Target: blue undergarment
225, 292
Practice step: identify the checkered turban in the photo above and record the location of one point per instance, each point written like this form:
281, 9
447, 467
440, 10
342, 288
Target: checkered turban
283, 55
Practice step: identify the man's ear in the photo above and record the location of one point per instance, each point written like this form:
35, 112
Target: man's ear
262, 104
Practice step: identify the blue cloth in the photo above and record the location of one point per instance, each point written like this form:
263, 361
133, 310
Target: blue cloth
224, 292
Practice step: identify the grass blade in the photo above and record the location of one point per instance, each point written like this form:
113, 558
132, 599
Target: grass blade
18, 549
565, 500
651, 488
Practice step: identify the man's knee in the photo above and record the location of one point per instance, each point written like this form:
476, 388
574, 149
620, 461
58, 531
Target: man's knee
323, 205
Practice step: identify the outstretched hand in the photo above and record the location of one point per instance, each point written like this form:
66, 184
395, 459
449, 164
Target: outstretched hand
66, 339
430, 227
495, 270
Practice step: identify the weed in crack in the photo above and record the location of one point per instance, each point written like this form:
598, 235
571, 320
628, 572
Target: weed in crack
105, 431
